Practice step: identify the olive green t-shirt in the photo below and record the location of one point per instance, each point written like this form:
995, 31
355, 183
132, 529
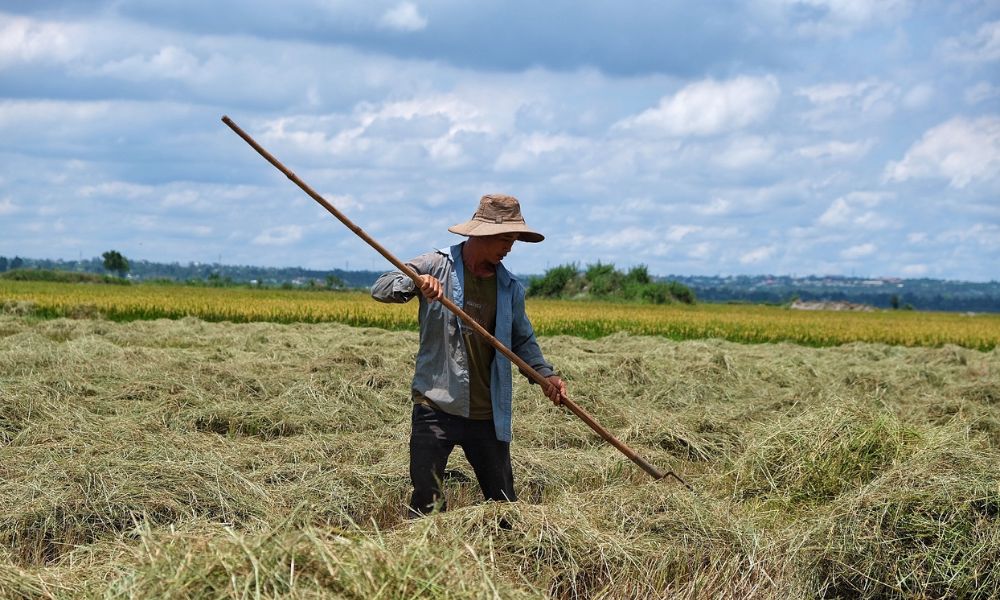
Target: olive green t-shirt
481, 305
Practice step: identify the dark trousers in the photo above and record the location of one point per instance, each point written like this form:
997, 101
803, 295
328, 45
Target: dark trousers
433, 436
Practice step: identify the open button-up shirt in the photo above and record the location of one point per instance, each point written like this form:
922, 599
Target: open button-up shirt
442, 370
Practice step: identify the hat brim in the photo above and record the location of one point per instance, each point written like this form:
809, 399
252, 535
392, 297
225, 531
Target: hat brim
476, 228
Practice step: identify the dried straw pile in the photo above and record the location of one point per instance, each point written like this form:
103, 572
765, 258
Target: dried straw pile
181, 459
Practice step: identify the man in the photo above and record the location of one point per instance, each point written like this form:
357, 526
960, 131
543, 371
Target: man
462, 387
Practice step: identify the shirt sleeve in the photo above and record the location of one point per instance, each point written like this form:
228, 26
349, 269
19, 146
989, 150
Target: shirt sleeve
395, 287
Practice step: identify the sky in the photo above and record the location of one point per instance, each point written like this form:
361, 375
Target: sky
786, 137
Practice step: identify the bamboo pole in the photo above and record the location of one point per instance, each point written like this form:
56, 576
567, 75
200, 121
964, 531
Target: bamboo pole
517, 360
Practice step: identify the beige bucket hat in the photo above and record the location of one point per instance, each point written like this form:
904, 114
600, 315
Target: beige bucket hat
497, 214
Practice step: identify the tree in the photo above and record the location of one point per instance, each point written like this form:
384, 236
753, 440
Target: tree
115, 262
335, 283
3, 264
553, 284
17, 263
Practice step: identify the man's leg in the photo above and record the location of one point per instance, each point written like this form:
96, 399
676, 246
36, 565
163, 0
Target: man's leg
490, 459
429, 449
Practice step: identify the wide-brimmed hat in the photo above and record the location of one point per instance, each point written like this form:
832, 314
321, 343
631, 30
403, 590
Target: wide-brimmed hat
497, 214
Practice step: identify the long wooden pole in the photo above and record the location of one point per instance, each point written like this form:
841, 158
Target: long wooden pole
525, 367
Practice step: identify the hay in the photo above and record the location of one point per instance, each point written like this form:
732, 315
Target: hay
189, 459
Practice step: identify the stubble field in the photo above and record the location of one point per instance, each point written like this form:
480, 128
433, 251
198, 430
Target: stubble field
183, 458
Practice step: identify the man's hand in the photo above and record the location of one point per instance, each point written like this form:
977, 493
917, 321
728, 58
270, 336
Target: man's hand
430, 287
556, 390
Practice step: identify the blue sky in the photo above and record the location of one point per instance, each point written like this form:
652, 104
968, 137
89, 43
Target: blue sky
765, 136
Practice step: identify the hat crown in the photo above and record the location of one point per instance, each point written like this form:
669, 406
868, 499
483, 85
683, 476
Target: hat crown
497, 214
499, 208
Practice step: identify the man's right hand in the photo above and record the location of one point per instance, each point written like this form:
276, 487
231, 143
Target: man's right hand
430, 287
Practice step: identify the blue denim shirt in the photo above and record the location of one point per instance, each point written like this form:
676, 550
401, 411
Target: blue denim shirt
442, 371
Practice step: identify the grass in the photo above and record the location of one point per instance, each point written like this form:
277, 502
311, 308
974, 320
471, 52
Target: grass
182, 458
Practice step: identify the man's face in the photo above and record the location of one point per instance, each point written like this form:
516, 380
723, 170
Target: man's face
496, 247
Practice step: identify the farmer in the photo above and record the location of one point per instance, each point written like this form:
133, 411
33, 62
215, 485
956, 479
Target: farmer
462, 387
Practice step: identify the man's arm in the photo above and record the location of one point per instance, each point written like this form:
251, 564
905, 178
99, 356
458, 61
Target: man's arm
395, 287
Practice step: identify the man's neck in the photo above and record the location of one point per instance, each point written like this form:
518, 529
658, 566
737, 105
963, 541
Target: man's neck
477, 265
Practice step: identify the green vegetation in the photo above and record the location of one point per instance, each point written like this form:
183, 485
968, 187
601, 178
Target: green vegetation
60, 277
603, 282
178, 459
115, 262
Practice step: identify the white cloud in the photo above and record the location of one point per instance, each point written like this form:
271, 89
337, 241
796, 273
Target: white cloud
854, 209
987, 235
979, 47
980, 92
915, 270
744, 152
842, 17
836, 214
701, 251
837, 150
25, 40
677, 233
404, 17
859, 251
168, 62
919, 97
709, 107
115, 190
758, 255
960, 150
279, 236
837, 104
526, 150
629, 237
7, 207
717, 207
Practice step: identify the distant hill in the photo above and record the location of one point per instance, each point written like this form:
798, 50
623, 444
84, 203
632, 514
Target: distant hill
144, 270
882, 292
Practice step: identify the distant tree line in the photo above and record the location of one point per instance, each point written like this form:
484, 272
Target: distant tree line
204, 274
602, 281
942, 296
570, 281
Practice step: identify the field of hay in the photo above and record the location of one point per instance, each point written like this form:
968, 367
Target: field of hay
183, 458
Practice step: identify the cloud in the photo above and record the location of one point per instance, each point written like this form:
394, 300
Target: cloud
716, 207
527, 150
758, 255
840, 17
979, 47
743, 152
677, 233
7, 207
279, 236
24, 40
403, 17
168, 62
961, 150
915, 270
980, 92
854, 209
859, 251
919, 97
837, 150
838, 105
709, 107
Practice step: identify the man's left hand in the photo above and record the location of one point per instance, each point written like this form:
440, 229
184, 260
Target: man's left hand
556, 390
